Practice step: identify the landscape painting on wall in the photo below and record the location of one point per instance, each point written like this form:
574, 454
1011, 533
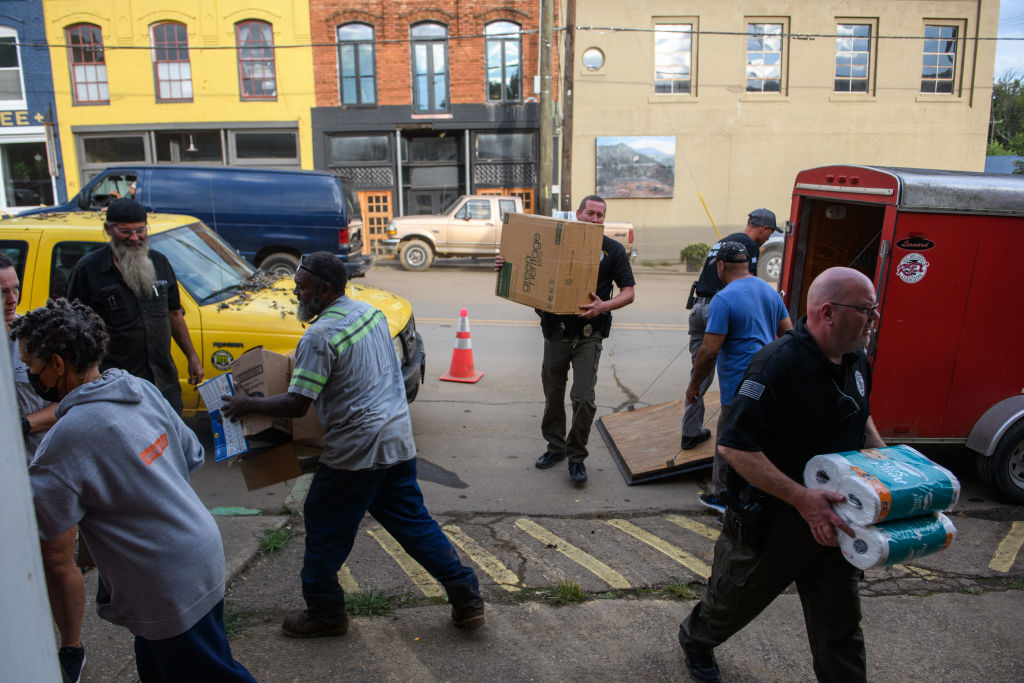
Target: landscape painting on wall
636, 166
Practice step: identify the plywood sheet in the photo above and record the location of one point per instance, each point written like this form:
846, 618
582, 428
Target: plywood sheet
645, 443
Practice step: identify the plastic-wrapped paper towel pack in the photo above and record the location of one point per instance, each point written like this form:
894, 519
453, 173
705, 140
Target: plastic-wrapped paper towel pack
895, 482
897, 541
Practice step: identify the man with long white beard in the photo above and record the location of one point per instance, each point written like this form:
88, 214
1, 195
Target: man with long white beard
135, 292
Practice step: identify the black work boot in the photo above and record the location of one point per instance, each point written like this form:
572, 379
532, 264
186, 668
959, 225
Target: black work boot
467, 605
304, 625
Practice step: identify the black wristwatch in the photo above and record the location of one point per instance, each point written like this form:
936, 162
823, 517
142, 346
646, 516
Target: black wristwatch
26, 426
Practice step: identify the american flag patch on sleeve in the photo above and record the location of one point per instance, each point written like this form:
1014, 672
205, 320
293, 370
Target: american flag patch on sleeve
751, 389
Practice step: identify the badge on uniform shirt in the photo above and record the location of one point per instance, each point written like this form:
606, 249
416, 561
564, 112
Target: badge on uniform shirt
861, 387
588, 330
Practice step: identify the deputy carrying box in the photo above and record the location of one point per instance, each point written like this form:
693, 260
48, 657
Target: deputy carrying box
268, 448
550, 264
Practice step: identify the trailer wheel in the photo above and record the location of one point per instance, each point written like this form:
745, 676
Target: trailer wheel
1003, 471
416, 255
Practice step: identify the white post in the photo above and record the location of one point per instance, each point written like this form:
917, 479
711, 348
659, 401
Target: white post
28, 648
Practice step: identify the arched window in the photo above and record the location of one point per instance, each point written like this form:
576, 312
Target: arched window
504, 62
172, 70
357, 81
429, 67
256, 71
88, 65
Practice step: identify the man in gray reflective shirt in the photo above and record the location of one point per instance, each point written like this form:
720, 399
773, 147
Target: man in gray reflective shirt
346, 365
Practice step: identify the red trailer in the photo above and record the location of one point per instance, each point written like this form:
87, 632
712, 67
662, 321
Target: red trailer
945, 250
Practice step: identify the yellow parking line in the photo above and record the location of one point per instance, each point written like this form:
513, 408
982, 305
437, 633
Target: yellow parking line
1006, 553
423, 580
696, 527
348, 584
911, 569
484, 559
676, 553
584, 559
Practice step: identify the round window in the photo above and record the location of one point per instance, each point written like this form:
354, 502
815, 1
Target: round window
593, 59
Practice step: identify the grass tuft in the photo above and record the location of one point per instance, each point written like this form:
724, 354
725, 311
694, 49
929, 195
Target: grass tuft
368, 604
275, 540
566, 593
679, 590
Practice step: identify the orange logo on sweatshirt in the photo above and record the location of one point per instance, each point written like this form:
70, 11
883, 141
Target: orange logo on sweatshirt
155, 451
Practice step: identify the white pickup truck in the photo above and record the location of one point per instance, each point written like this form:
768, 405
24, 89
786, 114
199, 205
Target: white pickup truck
471, 226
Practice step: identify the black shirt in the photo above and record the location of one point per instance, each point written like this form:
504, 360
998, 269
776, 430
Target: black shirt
790, 403
708, 284
140, 330
614, 267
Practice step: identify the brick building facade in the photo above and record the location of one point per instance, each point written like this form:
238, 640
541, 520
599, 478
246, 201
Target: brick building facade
419, 102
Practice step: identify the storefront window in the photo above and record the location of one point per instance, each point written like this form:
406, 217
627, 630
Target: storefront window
359, 149
189, 147
113, 150
26, 175
266, 145
504, 146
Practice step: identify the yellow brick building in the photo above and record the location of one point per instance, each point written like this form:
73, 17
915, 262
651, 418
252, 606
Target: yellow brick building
217, 82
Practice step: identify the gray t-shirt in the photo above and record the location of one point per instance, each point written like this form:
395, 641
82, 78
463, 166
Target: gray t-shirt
117, 464
28, 400
347, 364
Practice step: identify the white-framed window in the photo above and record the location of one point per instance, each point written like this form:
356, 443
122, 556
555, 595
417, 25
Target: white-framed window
12, 83
939, 64
766, 57
853, 58
673, 58
357, 79
172, 70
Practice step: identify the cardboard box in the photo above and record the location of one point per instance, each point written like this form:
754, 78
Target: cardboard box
550, 264
261, 372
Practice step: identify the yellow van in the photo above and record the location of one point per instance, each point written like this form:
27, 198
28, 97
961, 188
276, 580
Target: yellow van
229, 306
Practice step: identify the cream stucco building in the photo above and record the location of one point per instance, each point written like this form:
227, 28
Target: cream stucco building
751, 92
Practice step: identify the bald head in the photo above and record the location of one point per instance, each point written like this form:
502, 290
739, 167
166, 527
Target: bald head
840, 311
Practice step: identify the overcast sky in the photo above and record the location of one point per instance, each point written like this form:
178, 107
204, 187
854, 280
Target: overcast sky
1010, 53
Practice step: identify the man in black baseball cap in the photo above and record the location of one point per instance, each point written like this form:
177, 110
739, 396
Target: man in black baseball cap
135, 291
759, 227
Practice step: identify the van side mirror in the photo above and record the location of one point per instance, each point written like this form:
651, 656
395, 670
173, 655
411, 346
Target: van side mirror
83, 201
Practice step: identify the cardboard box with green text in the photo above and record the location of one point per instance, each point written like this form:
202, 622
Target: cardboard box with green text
550, 264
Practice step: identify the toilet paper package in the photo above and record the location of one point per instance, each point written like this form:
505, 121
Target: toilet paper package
879, 484
897, 541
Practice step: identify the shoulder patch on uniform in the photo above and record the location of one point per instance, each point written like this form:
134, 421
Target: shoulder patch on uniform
751, 389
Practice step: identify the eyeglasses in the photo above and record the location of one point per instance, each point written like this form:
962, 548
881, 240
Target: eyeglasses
128, 232
866, 310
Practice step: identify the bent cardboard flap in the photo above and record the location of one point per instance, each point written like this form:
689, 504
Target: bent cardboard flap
550, 264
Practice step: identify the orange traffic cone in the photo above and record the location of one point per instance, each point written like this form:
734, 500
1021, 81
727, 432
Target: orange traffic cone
462, 369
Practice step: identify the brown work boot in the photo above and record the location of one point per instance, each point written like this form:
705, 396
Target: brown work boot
302, 625
467, 606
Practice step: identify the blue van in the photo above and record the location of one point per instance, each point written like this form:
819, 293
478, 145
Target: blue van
271, 217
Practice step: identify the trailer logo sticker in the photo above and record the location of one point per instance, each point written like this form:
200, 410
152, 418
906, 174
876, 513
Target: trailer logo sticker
912, 268
860, 382
915, 244
221, 359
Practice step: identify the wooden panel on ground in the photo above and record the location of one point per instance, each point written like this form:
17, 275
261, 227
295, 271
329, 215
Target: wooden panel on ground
645, 443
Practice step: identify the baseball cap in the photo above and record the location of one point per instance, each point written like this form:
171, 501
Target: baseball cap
732, 252
125, 211
763, 217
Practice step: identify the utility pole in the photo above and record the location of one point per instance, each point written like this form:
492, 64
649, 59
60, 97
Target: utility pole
547, 114
568, 63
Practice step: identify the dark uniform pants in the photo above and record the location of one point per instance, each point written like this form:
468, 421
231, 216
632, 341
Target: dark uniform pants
743, 582
583, 354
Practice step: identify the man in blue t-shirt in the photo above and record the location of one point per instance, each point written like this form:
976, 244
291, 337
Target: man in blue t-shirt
742, 318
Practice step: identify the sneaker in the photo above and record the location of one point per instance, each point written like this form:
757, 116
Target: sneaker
578, 472
709, 500
467, 606
302, 625
691, 442
702, 666
548, 460
72, 661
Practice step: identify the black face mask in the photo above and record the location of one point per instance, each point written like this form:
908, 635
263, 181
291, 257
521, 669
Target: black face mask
51, 394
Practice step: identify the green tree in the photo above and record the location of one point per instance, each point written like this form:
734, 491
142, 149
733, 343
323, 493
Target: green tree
1006, 121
